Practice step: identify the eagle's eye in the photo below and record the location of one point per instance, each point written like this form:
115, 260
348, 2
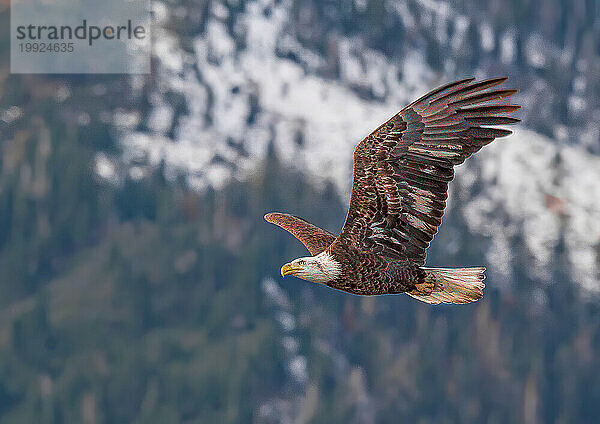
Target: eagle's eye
302, 262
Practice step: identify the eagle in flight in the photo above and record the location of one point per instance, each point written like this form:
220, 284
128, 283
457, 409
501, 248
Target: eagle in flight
399, 191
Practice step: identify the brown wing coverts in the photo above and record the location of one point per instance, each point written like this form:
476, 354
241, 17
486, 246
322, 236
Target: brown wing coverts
314, 238
402, 169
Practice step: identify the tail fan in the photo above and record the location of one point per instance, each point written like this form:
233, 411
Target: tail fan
453, 285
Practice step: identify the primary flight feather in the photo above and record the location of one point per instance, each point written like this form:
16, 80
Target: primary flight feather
399, 191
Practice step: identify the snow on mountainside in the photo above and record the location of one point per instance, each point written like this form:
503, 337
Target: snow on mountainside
540, 191
240, 101
241, 97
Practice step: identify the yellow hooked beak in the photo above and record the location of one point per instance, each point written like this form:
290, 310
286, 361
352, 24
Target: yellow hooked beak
289, 269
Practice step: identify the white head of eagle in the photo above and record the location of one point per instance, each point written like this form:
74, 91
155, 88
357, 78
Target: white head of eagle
321, 268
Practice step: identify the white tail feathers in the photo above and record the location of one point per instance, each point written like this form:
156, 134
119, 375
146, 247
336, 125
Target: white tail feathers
454, 285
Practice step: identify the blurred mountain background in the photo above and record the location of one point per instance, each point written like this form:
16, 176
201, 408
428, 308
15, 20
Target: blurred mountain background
139, 283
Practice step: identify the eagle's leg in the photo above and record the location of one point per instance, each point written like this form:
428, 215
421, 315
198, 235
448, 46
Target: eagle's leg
423, 289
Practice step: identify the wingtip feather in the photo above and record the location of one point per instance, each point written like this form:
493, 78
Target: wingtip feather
271, 216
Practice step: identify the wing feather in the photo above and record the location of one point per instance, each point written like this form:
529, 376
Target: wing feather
402, 169
314, 238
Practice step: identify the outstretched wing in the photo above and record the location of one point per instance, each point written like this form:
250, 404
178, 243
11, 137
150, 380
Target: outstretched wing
314, 238
402, 169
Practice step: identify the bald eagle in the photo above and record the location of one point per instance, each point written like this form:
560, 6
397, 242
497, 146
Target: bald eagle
399, 191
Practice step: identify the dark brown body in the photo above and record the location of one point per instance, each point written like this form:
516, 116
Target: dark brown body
382, 275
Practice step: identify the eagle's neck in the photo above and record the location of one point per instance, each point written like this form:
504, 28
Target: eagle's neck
328, 269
